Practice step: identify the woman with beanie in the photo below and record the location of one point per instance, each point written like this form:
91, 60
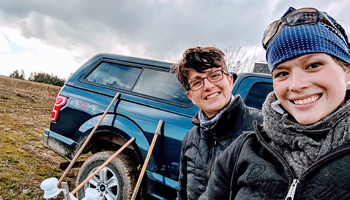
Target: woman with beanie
302, 149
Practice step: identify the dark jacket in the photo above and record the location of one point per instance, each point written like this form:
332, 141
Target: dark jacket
261, 173
200, 148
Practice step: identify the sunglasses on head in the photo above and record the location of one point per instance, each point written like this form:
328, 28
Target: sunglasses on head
293, 17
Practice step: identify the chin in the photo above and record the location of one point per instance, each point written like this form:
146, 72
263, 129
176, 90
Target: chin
307, 121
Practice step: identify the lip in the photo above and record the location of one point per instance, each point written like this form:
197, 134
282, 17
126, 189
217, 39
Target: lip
215, 94
306, 100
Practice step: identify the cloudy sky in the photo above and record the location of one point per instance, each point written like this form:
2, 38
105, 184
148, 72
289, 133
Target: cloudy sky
57, 36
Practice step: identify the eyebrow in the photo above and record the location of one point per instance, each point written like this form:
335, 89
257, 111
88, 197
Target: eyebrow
281, 67
198, 77
206, 73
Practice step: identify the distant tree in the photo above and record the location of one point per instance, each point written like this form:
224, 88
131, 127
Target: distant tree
21, 76
39, 77
16, 74
46, 78
237, 61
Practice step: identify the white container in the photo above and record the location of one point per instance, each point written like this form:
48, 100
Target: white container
50, 188
91, 194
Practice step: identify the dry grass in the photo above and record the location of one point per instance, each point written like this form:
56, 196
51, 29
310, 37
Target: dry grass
25, 111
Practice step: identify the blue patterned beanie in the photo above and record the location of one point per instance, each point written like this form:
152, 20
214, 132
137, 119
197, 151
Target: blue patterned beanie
293, 41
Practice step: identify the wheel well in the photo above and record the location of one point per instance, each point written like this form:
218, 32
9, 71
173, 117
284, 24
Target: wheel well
106, 140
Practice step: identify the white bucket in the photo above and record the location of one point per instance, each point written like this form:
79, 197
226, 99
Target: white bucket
91, 194
50, 188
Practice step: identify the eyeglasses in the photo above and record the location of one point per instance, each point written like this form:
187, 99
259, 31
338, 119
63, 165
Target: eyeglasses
297, 17
213, 77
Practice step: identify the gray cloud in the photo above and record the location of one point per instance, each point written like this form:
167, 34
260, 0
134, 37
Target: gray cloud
157, 29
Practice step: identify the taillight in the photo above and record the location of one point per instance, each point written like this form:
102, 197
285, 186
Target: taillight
60, 101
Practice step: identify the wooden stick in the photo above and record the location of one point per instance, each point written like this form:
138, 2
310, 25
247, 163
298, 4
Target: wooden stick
87, 140
102, 166
138, 183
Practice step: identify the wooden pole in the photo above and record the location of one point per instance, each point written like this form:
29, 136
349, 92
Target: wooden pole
86, 140
138, 183
102, 166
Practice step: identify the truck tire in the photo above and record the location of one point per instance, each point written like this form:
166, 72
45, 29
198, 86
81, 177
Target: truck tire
116, 181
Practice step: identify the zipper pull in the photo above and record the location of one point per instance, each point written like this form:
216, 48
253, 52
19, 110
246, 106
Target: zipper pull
216, 140
291, 191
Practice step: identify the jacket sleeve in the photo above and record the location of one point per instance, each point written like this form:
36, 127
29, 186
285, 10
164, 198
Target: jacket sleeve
182, 182
219, 185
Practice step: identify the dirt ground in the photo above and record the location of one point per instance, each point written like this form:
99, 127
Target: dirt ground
25, 111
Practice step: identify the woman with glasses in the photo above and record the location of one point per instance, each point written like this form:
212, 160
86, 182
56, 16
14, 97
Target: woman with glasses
302, 149
221, 118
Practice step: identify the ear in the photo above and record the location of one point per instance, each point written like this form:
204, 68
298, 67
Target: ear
347, 72
189, 95
231, 79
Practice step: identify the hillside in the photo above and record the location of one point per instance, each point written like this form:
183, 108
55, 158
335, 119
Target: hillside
25, 111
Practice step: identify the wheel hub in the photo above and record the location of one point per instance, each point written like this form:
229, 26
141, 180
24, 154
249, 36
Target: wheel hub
102, 187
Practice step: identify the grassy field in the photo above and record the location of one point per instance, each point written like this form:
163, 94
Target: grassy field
25, 111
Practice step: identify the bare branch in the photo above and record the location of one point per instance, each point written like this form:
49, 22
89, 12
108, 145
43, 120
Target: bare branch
239, 62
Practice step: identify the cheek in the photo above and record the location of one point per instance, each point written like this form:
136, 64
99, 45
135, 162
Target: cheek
281, 94
277, 88
227, 86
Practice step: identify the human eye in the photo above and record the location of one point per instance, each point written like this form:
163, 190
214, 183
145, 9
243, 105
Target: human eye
196, 83
314, 65
215, 75
280, 74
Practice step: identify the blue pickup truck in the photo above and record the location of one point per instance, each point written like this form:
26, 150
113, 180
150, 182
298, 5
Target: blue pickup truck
148, 93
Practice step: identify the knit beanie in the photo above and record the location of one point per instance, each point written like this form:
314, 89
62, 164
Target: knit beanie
293, 41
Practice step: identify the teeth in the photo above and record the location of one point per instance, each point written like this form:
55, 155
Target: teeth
212, 96
306, 101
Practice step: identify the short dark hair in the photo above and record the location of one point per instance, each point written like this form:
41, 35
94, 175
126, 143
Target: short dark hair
199, 59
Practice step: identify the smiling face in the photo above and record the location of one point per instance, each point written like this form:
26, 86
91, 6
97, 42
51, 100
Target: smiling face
212, 97
310, 87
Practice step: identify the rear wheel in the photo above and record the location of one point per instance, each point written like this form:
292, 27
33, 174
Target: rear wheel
116, 181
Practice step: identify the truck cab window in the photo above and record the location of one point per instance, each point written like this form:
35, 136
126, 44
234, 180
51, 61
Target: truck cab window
257, 94
161, 84
118, 76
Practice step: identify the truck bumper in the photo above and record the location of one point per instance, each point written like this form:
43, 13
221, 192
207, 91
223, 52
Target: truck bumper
63, 146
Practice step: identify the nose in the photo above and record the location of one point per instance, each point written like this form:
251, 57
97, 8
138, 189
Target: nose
207, 84
298, 82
